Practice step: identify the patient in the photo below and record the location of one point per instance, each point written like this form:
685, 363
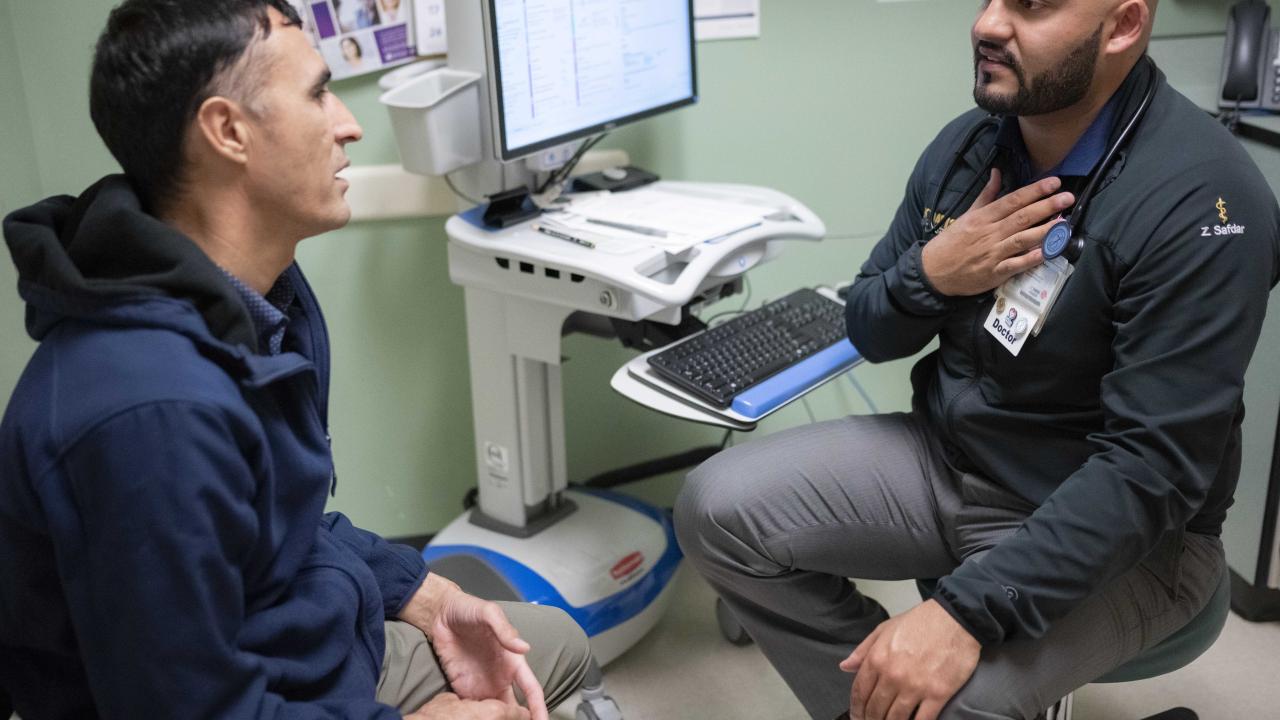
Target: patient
165, 461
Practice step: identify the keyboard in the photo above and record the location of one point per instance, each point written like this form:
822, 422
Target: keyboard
730, 360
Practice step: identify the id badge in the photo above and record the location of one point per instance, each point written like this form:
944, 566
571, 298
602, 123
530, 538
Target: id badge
1057, 270
1024, 301
1010, 322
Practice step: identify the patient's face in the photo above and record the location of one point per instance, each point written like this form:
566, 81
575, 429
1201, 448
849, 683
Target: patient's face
298, 138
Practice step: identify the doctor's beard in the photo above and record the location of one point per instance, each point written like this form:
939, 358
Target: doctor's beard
1060, 87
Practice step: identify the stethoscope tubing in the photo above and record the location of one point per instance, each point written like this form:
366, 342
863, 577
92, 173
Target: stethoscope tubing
1062, 238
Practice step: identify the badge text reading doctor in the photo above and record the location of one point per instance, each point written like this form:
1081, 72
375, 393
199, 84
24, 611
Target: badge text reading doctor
1023, 302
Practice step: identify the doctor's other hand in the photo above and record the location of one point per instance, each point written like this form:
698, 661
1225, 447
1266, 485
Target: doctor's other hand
995, 239
913, 663
480, 652
447, 706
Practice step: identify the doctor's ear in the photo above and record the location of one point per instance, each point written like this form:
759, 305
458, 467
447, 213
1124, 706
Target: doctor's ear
1132, 20
222, 127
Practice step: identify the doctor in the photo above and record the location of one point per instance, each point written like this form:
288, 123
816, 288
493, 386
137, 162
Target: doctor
1066, 487
165, 460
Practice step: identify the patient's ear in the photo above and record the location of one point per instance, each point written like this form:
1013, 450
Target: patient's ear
222, 128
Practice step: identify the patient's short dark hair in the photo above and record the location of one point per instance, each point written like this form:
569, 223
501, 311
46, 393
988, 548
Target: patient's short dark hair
156, 63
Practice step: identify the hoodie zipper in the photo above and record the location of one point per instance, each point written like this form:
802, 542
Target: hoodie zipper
333, 466
320, 352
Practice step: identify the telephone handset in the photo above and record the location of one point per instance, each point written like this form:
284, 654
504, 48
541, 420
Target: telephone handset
1250, 73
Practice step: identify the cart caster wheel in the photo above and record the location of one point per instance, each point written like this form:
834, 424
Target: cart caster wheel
603, 708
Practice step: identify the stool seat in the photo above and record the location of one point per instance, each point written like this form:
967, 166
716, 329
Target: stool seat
1184, 645
1175, 651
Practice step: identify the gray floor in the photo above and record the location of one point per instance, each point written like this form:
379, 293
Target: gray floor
684, 669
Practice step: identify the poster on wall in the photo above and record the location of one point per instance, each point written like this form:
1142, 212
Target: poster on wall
362, 36
431, 35
300, 7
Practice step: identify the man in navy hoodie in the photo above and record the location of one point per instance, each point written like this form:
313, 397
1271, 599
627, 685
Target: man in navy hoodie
164, 460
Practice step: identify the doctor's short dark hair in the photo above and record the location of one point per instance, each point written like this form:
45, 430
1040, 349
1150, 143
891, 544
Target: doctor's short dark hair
156, 63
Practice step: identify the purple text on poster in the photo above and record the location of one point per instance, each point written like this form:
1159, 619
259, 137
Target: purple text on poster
324, 21
393, 43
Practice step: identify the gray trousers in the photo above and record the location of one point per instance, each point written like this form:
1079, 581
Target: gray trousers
559, 657
777, 525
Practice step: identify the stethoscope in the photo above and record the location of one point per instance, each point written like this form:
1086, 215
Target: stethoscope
1063, 238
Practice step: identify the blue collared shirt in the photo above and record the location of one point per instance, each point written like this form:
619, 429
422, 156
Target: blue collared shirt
1080, 162
269, 314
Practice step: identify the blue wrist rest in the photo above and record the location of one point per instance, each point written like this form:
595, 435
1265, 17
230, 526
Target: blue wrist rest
758, 401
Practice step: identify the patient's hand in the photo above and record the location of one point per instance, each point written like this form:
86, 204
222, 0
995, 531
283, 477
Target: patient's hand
912, 663
447, 706
480, 652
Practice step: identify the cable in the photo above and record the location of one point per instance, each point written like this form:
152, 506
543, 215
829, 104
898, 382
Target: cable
449, 181
746, 283
652, 468
1230, 118
558, 176
659, 466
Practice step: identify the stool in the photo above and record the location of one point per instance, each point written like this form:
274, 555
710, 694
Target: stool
1175, 651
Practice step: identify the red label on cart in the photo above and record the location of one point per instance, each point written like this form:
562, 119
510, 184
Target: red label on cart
627, 565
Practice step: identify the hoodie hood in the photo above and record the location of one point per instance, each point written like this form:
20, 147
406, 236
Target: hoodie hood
101, 258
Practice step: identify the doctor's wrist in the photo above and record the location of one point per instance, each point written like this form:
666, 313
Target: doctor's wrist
931, 274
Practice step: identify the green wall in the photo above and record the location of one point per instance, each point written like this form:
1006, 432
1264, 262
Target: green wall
832, 104
19, 183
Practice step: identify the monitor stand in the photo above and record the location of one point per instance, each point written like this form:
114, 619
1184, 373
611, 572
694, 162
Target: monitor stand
607, 559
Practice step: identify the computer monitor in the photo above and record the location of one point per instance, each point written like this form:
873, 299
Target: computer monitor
563, 70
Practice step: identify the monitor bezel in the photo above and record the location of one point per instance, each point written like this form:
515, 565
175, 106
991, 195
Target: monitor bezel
506, 154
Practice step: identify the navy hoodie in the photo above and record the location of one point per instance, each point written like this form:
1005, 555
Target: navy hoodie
162, 485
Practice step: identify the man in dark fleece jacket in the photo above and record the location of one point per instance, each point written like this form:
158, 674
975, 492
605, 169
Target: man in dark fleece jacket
1067, 488
164, 460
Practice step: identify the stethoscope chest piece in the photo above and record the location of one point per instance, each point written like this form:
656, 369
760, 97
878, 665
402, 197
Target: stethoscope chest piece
1061, 240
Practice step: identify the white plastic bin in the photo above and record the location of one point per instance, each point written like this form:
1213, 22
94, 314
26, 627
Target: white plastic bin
436, 118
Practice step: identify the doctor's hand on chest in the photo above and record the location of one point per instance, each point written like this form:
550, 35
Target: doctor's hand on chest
995, 239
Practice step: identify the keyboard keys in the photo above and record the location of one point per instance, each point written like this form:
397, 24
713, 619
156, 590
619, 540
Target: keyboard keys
729, 359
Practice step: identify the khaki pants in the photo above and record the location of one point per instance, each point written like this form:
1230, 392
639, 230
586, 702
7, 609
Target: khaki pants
559, 658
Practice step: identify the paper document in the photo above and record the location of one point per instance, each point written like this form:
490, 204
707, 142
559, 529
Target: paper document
726, 19
429, 15
667, 219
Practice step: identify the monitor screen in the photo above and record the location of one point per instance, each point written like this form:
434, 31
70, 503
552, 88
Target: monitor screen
566, 69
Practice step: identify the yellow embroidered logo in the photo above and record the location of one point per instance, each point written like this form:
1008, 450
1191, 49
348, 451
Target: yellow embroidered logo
1226, 228
938, 220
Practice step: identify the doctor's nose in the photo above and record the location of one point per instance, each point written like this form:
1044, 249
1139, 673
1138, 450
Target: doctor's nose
993, 23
